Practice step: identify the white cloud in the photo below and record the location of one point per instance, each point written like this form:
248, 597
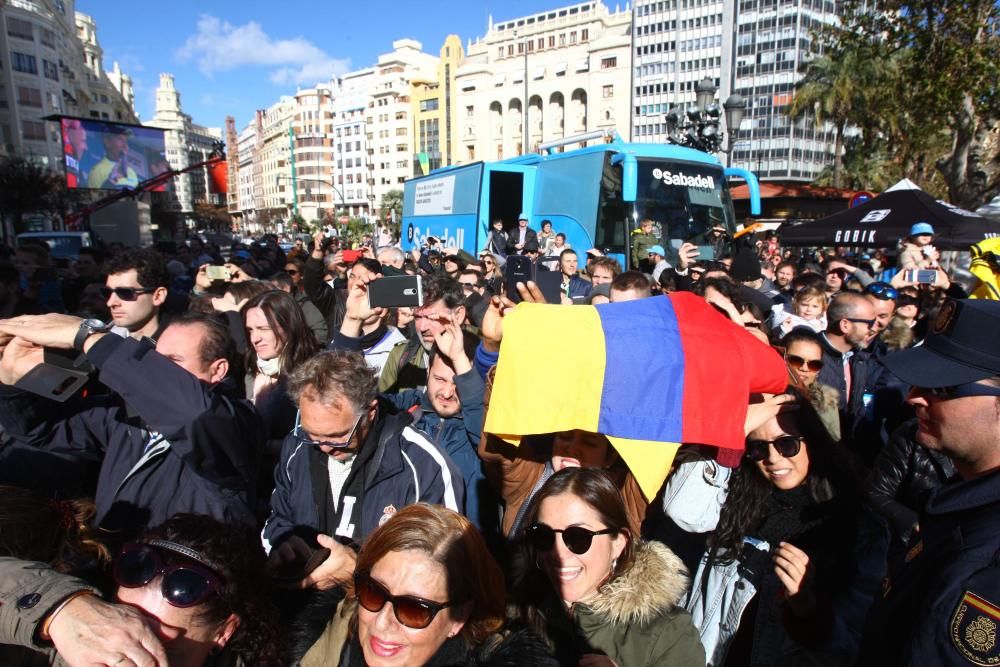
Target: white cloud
219, 46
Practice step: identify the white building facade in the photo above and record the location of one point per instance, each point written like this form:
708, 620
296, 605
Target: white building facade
568, 69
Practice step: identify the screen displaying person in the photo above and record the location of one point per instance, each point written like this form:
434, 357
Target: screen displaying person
113, 172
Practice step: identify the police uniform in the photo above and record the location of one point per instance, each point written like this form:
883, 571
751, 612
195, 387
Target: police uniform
943, 605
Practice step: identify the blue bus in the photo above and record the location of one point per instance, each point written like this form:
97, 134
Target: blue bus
595, 195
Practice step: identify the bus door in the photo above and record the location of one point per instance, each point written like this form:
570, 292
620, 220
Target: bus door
507, 192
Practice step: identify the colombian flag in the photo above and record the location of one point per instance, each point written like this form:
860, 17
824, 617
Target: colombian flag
648, 374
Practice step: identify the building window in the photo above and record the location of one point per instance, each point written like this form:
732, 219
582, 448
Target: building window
22, 62
469, 111
609, 63
429, 105
19, 28
608, 91
572, 37
33, 130
584, 35
29, 97
50, 70
47, 38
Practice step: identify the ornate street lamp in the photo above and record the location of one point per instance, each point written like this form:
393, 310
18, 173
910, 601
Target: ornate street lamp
698, 125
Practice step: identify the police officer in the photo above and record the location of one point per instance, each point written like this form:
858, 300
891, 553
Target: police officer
943, 606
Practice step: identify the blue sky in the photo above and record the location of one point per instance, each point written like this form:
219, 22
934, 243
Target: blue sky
229, 58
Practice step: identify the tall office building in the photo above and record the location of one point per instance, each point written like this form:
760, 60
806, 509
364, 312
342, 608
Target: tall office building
752, 48
435, 111
352, 171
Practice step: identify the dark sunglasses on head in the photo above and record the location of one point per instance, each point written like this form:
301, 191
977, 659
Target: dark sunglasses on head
960, 391
185, 582
411, 611
786, 445
798, 362
576, 538
883, 291
124, 293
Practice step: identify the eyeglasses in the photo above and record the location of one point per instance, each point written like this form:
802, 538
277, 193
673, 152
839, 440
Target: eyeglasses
869, 323
786, 445
799, 363
576, 538
411, 611
124, 293
882, 291
959, 391
303, 439
468, 287
292, 272
185, 584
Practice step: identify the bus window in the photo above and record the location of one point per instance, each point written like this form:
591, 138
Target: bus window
684, 200
611, 231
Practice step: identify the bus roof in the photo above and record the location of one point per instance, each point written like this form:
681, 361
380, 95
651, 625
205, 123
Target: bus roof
661, 151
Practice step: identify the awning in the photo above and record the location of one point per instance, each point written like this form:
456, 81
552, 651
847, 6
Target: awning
583, 64
518, 77
560, 69
498, 79
539, 72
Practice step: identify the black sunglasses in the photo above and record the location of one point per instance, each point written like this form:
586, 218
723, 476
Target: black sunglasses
882, 291
798, 362
185, 583
411, 611
292, 272
576, 538
124, 293
869, 323
786, 445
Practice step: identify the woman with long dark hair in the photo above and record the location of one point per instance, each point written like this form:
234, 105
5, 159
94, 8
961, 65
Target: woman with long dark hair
783, 546
584, 580
279, 339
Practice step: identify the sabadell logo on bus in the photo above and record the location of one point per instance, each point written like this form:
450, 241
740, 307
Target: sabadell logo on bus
699, 181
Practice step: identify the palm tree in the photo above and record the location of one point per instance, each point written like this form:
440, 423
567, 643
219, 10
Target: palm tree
829, 90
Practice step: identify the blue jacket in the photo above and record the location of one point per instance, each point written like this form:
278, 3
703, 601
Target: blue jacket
403, 468
578, 287
166, 442
943, 608
459, 437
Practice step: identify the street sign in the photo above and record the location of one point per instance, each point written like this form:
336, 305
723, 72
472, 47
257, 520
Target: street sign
860, 198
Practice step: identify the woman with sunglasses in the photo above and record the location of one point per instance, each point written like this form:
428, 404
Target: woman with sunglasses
194, 581
803, 352
426, 591
600, 595
783, 546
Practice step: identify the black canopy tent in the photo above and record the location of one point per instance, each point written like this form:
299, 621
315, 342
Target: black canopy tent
882, 221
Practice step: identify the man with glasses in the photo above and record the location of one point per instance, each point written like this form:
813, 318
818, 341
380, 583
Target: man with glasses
883, 299
472, 282
847, 366
942, 606
135, 291
346, 468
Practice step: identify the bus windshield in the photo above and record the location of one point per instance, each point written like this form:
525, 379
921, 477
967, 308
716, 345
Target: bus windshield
685, 200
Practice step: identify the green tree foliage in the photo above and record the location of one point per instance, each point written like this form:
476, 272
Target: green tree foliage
392, 201
920, 81
27, 187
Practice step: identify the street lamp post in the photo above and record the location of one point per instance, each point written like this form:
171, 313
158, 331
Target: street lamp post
524, 110
343, 202
698, 125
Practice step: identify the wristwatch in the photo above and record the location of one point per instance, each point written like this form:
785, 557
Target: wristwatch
88, 328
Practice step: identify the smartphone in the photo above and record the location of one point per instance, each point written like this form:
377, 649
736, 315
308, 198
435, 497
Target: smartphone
550, 283
396, 292
351, 256
518, 269
921, 276
217, 273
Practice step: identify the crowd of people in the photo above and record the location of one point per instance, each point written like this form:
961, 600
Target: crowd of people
262, 468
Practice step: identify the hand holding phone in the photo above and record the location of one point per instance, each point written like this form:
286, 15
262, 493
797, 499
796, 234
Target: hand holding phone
217, 273
921, 276
396, 292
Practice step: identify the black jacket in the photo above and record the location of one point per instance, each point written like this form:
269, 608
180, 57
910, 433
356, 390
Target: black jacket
329, 301
942, 609
904, 475
166, 442
530, 240
854, 409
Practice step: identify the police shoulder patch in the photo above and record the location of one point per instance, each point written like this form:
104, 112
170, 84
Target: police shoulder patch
974, 629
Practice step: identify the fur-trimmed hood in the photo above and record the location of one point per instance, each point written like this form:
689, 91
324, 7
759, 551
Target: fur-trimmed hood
654, 583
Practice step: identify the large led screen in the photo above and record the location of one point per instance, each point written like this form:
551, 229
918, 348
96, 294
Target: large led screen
101, 155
